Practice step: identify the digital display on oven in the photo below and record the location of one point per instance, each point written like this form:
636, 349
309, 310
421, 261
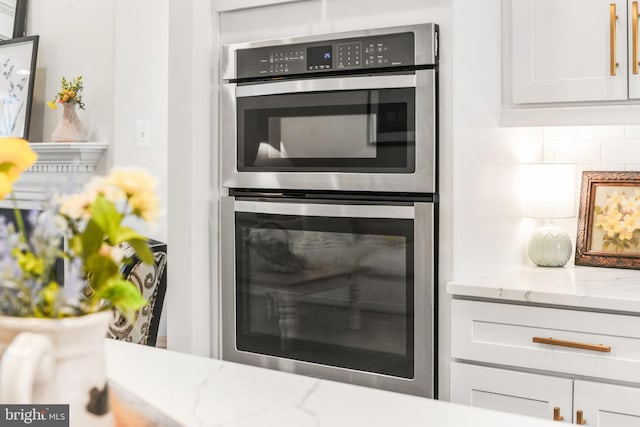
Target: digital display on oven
319, 57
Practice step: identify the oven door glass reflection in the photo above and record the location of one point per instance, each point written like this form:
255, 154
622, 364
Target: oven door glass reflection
338, 131
329, 290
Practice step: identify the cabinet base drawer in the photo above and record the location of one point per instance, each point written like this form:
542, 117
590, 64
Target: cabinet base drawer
574, 342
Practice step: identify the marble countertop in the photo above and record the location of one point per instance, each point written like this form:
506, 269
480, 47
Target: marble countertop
606, 289
197, 391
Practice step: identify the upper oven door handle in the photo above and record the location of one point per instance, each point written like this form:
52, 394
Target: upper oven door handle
329, 84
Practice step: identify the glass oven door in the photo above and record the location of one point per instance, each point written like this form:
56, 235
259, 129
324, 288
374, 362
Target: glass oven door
315, 133
345, 287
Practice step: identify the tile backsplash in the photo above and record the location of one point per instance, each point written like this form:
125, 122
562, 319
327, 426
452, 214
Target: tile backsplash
594, 147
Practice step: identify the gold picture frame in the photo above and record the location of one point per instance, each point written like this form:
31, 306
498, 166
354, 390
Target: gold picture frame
609, 220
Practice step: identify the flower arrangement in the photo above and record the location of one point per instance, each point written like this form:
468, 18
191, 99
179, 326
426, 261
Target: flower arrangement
619, 218
93, 222
70, 92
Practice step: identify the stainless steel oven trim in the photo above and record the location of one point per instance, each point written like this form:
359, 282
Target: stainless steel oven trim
325, 209
426, 44
328, 84
423, 382
423, 180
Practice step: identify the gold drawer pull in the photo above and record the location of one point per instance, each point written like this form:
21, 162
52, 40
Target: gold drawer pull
634, 36
580, 420
612, 39
556, 414
573, 344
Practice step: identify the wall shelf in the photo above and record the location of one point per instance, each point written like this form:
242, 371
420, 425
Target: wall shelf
61, 166
67, 157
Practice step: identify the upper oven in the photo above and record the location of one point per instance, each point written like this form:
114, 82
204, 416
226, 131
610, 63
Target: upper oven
349, 112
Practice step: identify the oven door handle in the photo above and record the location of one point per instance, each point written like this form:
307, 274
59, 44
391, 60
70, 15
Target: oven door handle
320, 209
331, 84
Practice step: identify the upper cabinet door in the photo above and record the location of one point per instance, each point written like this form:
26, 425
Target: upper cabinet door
569, 50
633, 32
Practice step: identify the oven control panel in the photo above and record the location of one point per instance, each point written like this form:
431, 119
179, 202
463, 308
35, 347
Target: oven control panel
380, 51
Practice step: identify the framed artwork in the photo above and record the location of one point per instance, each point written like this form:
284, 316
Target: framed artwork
609, 220
13, 18
17, 75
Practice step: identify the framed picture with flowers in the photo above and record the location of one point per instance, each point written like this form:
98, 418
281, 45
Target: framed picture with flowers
609, 220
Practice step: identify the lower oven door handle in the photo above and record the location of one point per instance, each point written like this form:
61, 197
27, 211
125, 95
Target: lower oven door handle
319, 209
330, 84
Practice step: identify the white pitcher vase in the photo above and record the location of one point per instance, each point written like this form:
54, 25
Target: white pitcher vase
57, 361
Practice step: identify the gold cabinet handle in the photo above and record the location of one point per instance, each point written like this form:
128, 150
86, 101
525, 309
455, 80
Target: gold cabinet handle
580, 417
556, 414
634, 36
612, 39
573, 344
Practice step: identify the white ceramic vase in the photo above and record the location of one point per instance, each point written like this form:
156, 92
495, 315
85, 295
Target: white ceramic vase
57, 361
549, 246
69, 127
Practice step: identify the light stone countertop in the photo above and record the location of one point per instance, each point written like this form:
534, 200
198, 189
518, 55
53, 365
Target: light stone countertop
197, 391
606, 289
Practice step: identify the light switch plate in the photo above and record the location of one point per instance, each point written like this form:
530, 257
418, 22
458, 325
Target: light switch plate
143, 134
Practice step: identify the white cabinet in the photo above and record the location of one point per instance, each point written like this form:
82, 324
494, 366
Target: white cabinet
563, 51
510, 391
573, 51
602, 405
530, 360
607, 405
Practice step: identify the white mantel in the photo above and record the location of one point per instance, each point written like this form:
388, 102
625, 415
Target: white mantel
60, 165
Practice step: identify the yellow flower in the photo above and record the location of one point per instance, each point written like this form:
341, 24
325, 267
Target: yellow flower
52, 105
139, 188
16, 156
5, 186
75, 206
70, 92
99, 186
146, 206
132, 181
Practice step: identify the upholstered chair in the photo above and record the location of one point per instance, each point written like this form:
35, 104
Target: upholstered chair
152, 282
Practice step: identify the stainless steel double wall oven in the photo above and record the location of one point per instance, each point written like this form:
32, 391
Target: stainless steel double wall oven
329, 229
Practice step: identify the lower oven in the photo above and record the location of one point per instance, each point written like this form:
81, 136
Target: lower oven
342, 290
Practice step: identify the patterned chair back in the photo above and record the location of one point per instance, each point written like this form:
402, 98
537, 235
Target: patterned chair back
151, 280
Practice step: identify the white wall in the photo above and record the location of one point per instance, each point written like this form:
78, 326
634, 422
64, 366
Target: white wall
121, 50
76, 38
140, 75
487, 216
596, 148
192, 294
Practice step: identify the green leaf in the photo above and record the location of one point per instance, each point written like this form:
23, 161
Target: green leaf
92, 239
75, 244
101, 270
141, 247
124, 234
124, 296
106, 216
